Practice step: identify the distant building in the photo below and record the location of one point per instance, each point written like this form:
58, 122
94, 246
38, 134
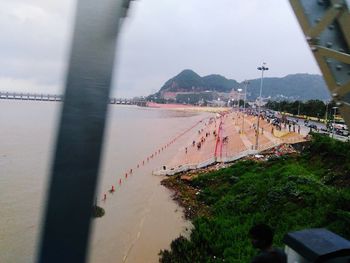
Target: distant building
263, 102
236, 95
168, 95
216, 103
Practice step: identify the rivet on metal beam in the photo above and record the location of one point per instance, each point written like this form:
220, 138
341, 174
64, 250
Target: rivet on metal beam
339, 103
337, 6
334, 95
328, 61
341, 50
320, 2
331, 27
339, 67
314, 49
329, 44
318, 20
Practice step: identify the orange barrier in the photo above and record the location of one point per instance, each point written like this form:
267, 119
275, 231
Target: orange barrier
153, 155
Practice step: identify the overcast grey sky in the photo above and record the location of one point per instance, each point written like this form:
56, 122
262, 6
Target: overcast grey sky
158, 40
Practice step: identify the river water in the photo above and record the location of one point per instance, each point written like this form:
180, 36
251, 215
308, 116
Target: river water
140, 216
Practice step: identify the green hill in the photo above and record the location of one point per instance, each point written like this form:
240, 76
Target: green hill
290, 87
188, 80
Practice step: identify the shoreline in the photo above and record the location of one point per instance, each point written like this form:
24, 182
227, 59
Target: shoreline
276, 188
184, 193
182, 107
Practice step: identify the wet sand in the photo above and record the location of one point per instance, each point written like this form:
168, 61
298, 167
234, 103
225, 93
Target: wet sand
185, 107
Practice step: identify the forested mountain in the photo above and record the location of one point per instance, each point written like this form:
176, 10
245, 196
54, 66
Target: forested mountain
188, 80
290, 87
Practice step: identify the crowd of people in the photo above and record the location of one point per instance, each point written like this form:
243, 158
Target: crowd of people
204, 134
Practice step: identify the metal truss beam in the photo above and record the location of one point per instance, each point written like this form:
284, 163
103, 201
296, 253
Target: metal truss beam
75, 168
326, 25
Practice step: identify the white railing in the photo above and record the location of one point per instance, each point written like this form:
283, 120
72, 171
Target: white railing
267, 146
185, 168
206, 163
176, 170
237, 156
213, 160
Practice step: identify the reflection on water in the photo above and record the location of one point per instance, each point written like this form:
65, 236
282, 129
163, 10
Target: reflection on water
140, 216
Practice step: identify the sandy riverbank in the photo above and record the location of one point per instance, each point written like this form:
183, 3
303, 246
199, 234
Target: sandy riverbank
226, 138
183, 107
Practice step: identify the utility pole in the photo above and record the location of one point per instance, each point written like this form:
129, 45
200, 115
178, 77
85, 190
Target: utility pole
246, 83
326, 114
262, 68
335, 111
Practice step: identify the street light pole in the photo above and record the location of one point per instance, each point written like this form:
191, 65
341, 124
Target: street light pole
262, 68
326, 115
246, 83
335, 111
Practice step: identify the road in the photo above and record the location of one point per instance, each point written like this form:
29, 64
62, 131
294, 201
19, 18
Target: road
321, 128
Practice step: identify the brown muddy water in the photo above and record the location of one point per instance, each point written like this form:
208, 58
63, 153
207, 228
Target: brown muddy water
140, 216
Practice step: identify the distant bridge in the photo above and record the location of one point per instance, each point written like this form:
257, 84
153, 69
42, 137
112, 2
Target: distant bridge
53, 97
29, 96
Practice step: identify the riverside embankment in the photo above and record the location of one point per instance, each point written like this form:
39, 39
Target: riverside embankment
307, 188
224, 138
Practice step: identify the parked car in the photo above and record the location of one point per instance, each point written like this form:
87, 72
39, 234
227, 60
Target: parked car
312, 126
342, 132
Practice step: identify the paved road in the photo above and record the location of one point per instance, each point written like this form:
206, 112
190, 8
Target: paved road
320, 126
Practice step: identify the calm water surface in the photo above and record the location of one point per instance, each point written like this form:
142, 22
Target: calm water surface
140, 216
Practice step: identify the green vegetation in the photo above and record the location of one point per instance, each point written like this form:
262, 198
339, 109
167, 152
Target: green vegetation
312, 108
195, 97
190, 81
289, 193
291, 87
97, 211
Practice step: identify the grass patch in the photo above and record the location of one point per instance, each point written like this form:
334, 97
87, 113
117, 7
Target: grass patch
290, 193
97, 211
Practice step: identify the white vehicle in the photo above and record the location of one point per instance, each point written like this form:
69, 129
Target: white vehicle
339, 128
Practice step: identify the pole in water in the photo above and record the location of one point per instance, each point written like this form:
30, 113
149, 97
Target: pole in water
130, 171
104, 197
126, 175
120, 181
